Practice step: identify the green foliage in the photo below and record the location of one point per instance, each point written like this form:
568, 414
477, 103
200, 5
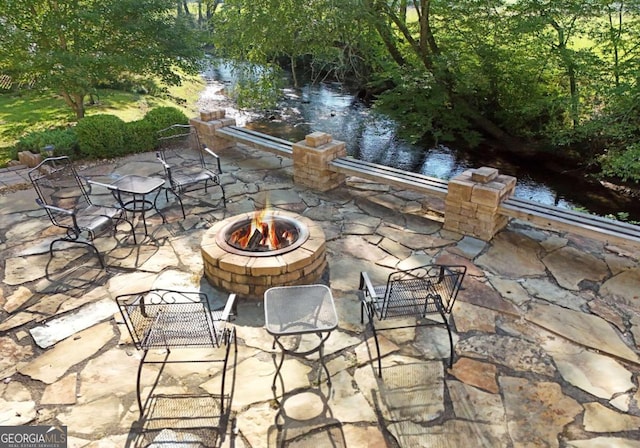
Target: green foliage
423, 108
258, 89
102, 137
163, 117
141, 136
64, 142
28, 111
541, 72
72, 48
623, 164
326, 34
623, 216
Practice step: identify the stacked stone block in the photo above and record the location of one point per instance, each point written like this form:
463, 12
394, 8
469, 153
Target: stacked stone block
29, 159
472, 202
311, 158
206, 126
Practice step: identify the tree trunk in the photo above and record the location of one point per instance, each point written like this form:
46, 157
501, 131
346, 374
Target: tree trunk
76, 102
293, 71
386, 35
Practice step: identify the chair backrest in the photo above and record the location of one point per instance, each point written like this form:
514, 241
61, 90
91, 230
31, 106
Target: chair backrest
58, 184
179, 146
412, 291
168, 318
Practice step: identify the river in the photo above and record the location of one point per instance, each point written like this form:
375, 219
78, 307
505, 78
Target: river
370, 136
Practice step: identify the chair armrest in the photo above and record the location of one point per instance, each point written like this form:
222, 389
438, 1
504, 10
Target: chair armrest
114, 190
161, 160
211, 153
100, 184
367, 287
214, 155
228, 308
55, 209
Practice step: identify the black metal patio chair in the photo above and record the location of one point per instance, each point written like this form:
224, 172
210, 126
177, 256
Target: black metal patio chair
167, 319
188, 165
65, 197
427, 293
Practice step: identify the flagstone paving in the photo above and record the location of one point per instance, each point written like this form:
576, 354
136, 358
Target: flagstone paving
547, 328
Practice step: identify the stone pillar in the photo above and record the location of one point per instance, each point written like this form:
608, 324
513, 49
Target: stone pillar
471, 205
206, 125
311, 158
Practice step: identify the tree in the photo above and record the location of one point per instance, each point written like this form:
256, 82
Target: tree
525, 74
415, 46
259, 36
73, 46
560, 23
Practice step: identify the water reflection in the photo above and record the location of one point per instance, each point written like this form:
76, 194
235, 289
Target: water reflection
372, 137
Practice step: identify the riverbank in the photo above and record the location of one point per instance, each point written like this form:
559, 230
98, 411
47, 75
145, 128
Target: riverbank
330, 108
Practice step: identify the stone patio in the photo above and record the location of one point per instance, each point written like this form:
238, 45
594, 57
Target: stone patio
547, 329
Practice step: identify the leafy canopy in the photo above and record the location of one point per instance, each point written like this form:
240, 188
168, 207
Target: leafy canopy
259, 37
73, 46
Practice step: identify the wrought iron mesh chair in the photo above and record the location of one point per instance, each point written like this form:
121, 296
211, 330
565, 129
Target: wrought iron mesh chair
188, 165
426, 292
167, 319
64, 195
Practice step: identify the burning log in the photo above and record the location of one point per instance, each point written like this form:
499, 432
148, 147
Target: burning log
255, 241
262, 233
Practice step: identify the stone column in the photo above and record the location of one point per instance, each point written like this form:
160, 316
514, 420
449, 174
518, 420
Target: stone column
311, 158
471, 205
206, 125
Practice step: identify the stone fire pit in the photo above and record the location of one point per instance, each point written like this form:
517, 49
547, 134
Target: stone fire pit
250, 273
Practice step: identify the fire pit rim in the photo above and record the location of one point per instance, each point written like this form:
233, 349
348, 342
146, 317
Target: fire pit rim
222, 234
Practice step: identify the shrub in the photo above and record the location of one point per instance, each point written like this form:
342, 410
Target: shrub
624, 164
141, 136
163, 117
102, 136
63, 140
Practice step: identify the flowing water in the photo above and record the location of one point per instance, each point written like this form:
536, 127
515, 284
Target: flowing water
372, 137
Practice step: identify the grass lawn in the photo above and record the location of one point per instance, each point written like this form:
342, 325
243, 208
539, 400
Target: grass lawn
28, 111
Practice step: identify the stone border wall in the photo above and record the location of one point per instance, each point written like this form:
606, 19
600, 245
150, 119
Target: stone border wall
471, 204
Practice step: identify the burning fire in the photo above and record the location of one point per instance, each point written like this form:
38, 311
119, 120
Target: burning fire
262, 234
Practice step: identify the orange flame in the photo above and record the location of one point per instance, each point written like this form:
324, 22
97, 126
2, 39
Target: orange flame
264, 224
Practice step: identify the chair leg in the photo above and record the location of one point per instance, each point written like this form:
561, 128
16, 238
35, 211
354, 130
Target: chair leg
375, 338
138, 385
450, 343
173, 190
224, 197
224, 369
84, 243
99, 255
446, 324
373, 330
184, 216
155, 206
133, 231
